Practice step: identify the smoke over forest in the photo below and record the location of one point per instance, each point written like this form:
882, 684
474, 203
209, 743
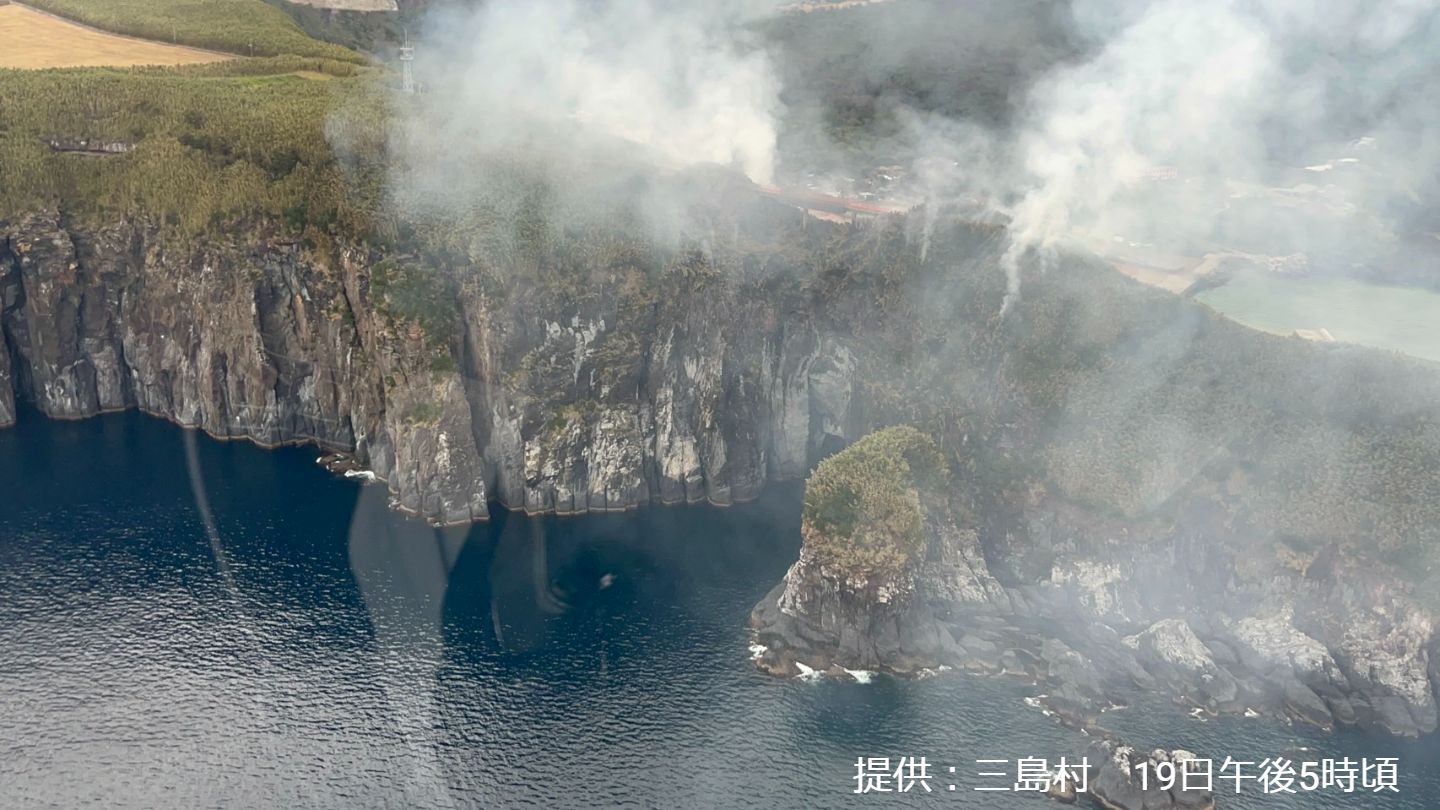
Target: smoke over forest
1335, 102
1269, 126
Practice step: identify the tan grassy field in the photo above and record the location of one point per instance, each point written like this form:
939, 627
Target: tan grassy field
30, 39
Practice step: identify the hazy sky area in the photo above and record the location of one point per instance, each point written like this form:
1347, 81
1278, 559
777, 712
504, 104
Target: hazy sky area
1269, 126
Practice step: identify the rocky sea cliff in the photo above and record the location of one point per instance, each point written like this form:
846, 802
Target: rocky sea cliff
1173, 608
637, 392
1139, 492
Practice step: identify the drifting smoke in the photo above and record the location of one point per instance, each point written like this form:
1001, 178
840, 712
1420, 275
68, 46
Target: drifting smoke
1269, 127
587, 87
1263, 125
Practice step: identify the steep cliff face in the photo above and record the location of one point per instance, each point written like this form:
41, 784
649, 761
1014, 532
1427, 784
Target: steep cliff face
7, 382
624, 398
1141, 493
884, 557
828, 618
1176, 607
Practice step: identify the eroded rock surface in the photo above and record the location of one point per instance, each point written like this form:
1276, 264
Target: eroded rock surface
1335, 643
1126, 466
641, 391
1123, 778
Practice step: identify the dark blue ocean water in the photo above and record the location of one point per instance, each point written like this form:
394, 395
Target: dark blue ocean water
262, 634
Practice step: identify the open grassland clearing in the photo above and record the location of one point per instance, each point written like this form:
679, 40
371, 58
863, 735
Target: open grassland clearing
207, 143
245, 27
193, 137
35, 40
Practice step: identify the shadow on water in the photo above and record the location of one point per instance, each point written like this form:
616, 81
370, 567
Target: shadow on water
307, 646
524, 584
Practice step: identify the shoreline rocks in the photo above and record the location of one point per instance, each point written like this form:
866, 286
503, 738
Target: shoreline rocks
640, 374
860, 596
1117, 781
1334, 644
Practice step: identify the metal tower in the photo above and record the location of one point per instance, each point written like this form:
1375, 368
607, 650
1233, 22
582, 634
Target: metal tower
407, 59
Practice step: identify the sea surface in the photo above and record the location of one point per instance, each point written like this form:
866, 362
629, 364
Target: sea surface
1400, 319
190, 623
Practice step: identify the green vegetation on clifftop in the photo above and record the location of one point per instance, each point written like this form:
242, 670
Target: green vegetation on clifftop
864, 510
246, 27
209, 145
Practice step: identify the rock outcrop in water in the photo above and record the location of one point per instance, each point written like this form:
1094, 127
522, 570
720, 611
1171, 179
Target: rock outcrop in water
1122, 778
882, 551
1139, 491
1334, 644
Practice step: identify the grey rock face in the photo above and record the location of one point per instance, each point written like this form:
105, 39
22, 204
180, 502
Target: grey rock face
9, 297
871, 621
1345, 649
538, 405
695, 393
1173, 654
1381, 640
1123, 778
823, 618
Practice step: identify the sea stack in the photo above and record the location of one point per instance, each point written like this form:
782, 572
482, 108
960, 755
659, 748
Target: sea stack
857, 597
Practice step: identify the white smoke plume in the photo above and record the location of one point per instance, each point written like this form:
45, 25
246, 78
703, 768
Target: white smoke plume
1264, 126
1267, 125
679, 80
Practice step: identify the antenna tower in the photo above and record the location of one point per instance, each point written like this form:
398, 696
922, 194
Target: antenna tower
407, 60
